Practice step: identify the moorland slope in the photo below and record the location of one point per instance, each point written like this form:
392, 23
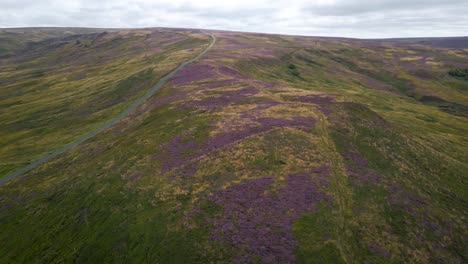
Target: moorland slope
269, 148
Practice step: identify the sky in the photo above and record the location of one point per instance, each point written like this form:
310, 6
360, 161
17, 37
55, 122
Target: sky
341, 18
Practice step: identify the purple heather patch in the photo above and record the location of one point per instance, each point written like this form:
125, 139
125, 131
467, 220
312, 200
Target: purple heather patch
265, 105
376, 84
314, 99
258, 224
321, 100
408, 201
232, 45
262, 105
398, 197
187, 170
298, 121
418, 207
354, 158
226, 98
170, 39
17, 199
357, 168
454, 63
176, 94
265, 84
230, 72
193, 73
135, 176
160, 100
220, 83
179, 152
227, 71
379, 251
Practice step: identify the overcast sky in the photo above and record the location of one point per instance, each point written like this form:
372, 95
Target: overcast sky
345, 18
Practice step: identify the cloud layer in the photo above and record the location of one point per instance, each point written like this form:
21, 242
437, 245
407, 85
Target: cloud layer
344, 18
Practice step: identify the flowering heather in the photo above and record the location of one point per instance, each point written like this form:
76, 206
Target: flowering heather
227, 71
397, 197
455, 63
171, 41
409, 202
265, 105
321, 100
164, 99
296, 121
193, 73
232, 42
226, 98
419, 208
262, 105
379, 251
375, 84
187, 170
230, 72
135, 176
179, 152
230, 138
357, 168
221, 55
366, 117
354, 158
313, 99
414, 65
264, 124
245, 47
265, 84
265, 52
219, 83
175, 94
258, 223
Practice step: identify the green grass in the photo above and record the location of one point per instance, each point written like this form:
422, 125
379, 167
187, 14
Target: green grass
314, 233
45, 112
86, 205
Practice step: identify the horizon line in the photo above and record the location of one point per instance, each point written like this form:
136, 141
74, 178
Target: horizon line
226, 30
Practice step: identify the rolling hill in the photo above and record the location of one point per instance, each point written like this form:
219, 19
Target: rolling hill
267, 148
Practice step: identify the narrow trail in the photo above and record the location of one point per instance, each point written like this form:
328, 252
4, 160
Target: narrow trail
109, 123
344, 196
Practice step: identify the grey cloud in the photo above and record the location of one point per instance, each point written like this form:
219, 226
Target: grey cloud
346, 18
357, 7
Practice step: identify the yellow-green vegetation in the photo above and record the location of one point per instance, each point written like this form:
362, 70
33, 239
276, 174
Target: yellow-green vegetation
268, 149
59, 90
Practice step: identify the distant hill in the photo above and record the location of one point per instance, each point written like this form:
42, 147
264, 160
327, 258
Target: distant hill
12, 39
450, 42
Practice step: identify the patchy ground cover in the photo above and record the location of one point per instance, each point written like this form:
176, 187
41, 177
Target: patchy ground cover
269, 149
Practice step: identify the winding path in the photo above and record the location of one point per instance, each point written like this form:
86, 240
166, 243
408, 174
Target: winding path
111, 122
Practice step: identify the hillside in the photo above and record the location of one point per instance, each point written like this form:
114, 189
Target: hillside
268, 148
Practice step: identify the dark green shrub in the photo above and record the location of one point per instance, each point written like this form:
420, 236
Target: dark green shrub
461, 73
293, 70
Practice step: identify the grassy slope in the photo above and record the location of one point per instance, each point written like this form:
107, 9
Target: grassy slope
424, 152
18, 38
63, 88
399, 196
